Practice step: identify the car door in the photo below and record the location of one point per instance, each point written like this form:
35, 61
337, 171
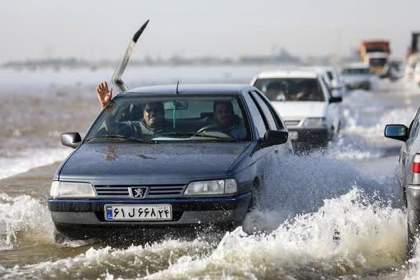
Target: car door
408, 150
332, 114
261, 123
274, 121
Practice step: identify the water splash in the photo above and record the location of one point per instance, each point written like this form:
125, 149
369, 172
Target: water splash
131, 262
23, 218
28, 159
346, 235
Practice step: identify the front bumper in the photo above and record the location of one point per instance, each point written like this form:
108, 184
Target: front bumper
309, 137
186, 211
366, 85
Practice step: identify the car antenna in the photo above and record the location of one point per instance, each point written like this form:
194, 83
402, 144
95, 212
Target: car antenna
177, 87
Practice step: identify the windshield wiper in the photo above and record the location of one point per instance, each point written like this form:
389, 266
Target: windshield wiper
119, 137
171, 134
216, 137
194, 135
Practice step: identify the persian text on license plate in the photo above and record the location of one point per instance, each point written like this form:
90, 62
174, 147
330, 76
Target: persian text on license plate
144, 212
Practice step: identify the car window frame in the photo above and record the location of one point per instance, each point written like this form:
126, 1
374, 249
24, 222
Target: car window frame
248, 95
325, 88
241, 103
414, 126
278, 125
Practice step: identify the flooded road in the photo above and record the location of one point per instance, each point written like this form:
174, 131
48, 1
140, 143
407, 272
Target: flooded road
330, 215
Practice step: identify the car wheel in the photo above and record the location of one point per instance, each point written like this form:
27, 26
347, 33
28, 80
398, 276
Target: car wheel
59, 238
62, 233
412, 231
253, 204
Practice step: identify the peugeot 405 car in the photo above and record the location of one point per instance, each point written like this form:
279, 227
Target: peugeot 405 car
168, 156
303, 99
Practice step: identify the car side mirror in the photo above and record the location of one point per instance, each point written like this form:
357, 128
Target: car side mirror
71, 139
396, 131
336, 99
275, 137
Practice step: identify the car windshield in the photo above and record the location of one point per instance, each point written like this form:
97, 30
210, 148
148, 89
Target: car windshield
291, 89
377, 61
356, 71
159, 119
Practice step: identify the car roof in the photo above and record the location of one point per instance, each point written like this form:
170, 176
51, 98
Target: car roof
356, 65
193, 89
322, 68
290, 73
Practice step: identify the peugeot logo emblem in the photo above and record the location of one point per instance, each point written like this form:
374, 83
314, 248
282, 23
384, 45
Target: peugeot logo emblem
138, 192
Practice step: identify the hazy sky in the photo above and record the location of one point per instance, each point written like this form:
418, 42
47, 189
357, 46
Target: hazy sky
98, 29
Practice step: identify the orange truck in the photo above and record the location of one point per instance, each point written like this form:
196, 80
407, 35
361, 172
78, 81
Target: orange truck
375, 53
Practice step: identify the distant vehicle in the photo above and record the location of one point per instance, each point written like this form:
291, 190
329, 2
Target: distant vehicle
409, 172
357, 76
417, 73
375, 53
412, 62
395, 70
303, 99
191, 172
333, 80
413, 56
414, 45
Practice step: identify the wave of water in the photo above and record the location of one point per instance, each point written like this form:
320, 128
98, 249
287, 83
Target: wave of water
23, 218
366, 114
346, 235
318, 217
28, 159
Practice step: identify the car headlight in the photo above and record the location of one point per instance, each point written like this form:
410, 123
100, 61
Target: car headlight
71, 189
227, 186
315, 122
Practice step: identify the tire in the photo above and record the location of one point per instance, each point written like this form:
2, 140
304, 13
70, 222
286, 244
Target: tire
253, 204
63, 233
59, 238
413, 218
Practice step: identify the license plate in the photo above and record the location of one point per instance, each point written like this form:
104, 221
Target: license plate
293, 135
144, 212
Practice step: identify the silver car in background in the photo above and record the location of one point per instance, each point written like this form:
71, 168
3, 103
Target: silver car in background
357, 76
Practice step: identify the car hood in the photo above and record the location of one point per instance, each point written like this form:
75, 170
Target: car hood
151, 163
293, 110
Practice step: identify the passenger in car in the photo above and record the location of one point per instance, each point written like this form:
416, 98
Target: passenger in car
151, 123
226, 121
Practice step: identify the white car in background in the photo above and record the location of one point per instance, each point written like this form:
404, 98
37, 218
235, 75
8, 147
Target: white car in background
358, 76
333, 80
303, 99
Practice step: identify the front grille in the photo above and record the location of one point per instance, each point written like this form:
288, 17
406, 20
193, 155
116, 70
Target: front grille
154, 191
112, 191
292, 123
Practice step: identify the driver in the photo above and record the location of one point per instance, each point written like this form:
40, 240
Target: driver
225, 121
152, 121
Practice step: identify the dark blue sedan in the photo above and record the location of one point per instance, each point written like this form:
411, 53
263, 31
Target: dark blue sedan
166, 156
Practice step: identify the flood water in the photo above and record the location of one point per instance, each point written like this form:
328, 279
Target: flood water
328, 215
